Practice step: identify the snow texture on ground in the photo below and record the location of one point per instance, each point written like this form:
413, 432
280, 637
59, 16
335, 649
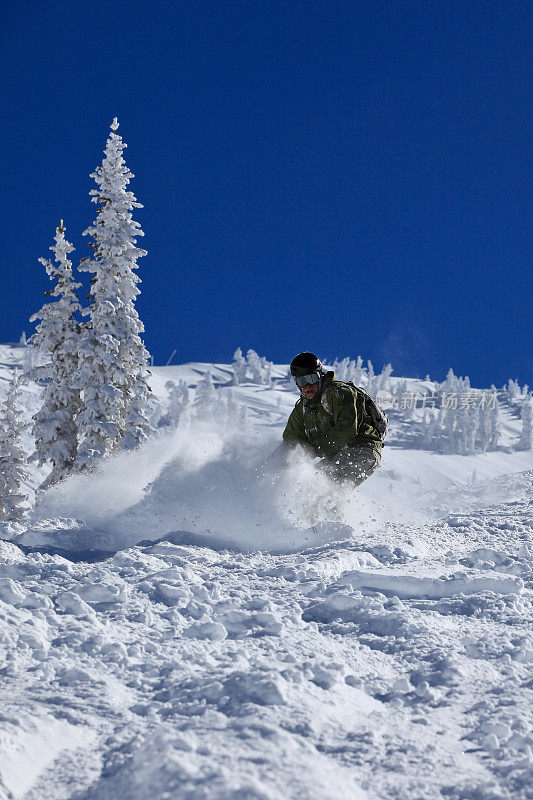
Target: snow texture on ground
183, 626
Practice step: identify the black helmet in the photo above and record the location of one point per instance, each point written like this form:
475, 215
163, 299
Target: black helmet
304, 363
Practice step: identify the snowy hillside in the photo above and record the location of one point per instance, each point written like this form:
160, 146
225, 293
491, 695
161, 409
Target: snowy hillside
182, 625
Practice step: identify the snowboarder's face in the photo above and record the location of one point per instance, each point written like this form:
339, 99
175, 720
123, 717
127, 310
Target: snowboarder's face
310, 390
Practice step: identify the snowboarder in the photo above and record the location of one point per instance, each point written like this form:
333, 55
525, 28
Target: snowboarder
336, 421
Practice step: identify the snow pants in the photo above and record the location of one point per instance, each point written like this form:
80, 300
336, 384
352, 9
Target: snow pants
352, 464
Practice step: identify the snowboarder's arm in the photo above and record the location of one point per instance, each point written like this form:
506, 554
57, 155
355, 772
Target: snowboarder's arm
276, 460
294, 432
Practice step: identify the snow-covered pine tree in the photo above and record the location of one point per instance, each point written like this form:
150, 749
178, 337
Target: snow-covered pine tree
371, 380
239, 367
358, 371
399, 391
383, 381
350, 370
482, 439
451, 384
267, 372
512, 389
474, 421
340, 368
431, 437
460, 431
56, 339
232, 407
446, 430
113, 359
27, 360
226, 410
524, 442
494, 422
254, 366
206, 400
178, 402
12, 459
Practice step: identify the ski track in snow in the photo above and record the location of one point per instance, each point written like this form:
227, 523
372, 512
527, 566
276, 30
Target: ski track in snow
238, 657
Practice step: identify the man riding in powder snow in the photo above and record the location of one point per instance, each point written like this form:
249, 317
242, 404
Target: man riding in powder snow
335, 420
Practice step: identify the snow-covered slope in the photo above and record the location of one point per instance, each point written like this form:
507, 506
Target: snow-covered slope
181, 625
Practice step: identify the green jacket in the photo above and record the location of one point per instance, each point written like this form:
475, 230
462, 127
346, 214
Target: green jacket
334, 418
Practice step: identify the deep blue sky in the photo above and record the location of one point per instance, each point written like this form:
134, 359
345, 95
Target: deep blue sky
351, 178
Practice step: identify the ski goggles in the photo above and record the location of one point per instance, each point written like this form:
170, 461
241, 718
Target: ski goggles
305, 380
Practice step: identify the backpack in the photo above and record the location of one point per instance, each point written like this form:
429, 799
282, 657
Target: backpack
379, 419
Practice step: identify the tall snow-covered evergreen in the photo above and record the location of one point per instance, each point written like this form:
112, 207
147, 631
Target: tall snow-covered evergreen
12, 459
113, 358
56, 339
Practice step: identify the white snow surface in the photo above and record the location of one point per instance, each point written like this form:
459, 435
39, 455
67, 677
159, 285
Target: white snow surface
181, 625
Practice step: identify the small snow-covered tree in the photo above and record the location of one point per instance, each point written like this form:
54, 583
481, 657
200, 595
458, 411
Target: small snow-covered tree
512, 389
474, 421
524, 442
27, 361
113, 359
178, 402
494, 424
255, 369
227, 409
451, 384
254, 366
383, 381
239, 367
348, 376
483, 435
431, 435
12, 459
358, 371
267, 374
340, 368
56, 339
232, 408
351, 370
371, 380
206, 399
461, 431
